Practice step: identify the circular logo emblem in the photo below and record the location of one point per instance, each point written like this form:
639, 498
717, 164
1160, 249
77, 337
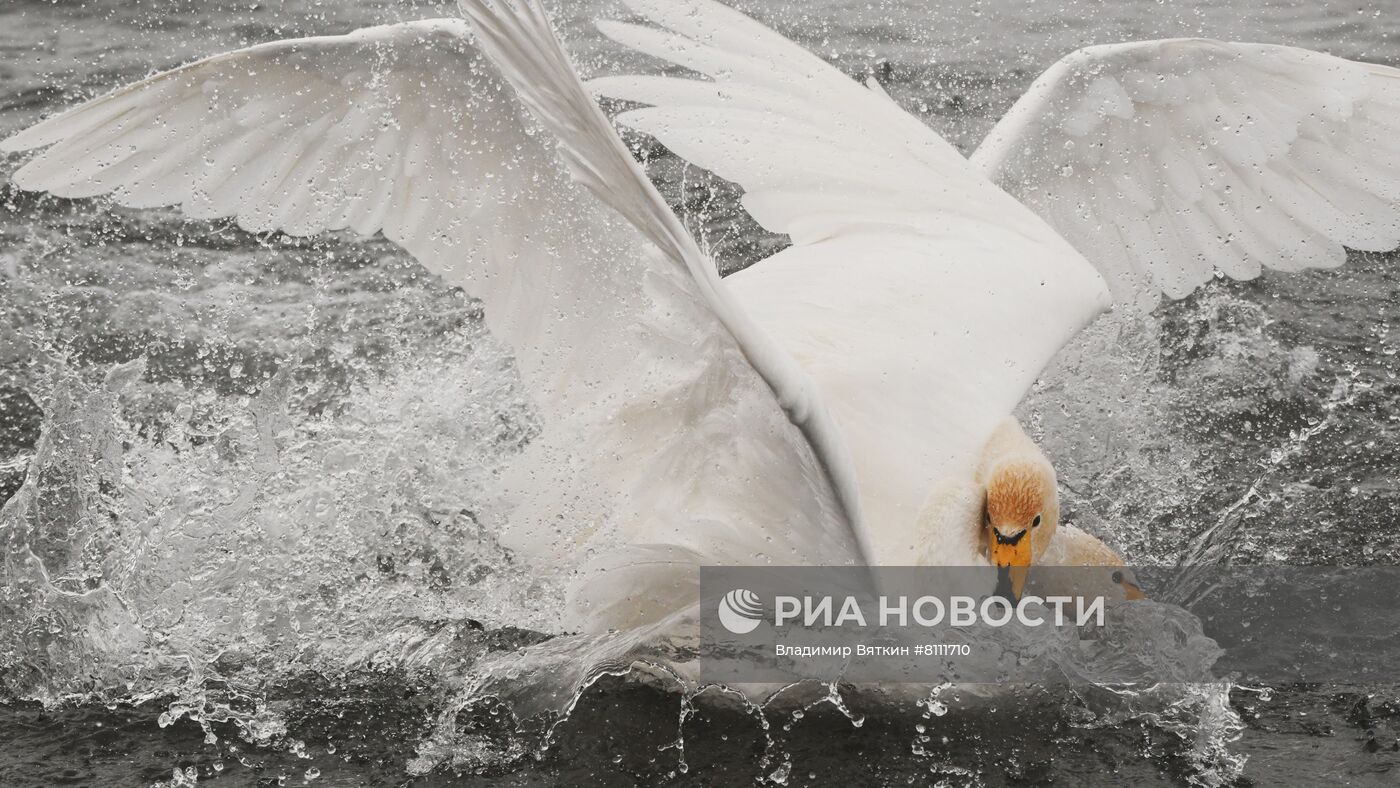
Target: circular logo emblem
740, 611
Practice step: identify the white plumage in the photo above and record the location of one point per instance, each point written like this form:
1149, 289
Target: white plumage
923, 299
1167, 161
801, 411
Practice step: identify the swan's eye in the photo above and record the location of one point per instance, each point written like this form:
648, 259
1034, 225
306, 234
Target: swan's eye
1036, 522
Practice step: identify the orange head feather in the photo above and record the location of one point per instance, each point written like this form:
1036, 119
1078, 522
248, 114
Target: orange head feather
1016, 493
1021, 496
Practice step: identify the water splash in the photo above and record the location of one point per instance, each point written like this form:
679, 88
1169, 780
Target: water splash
228, 544
219, 559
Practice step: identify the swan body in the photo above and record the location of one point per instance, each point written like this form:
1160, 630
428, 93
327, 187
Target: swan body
843, 402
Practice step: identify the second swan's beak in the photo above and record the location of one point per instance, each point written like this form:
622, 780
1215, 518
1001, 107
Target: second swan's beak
1011, 553
1131, 590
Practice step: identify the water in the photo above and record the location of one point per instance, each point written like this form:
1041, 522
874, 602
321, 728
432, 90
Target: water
259, 547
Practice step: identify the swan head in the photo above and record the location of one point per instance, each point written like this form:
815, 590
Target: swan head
1021, 515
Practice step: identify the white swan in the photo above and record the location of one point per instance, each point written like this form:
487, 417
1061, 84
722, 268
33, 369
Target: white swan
801, 411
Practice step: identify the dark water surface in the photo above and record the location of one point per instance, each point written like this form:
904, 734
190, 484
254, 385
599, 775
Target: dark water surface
627, 735
308, 621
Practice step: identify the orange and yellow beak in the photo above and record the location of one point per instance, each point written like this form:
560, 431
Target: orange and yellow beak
1012, 554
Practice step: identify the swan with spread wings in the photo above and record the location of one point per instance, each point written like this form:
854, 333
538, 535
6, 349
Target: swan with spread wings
845, 401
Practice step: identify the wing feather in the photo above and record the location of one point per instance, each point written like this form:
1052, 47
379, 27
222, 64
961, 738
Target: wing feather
921, 298
1266, 157
637, 362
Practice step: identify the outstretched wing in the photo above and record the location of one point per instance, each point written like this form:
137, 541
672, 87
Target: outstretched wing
1167, 161
401, 129
662, 446
922, 298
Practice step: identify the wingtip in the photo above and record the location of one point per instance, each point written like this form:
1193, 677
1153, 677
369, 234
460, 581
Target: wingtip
612, 28
52, 129
15, 143
598, 87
